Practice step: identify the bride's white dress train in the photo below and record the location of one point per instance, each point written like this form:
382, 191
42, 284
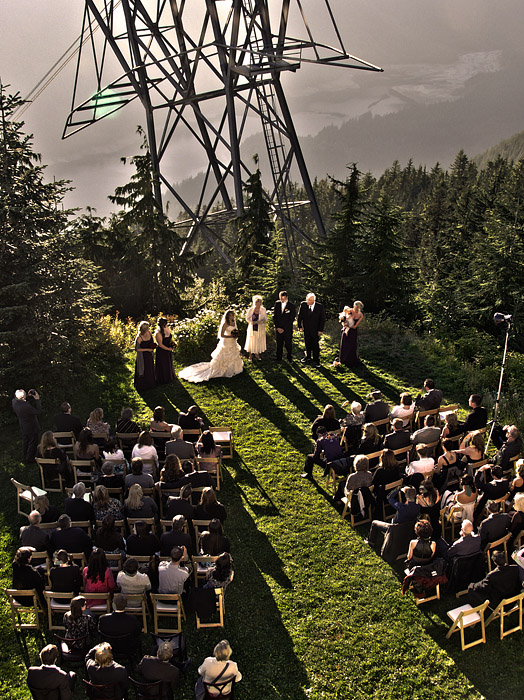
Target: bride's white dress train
226, 361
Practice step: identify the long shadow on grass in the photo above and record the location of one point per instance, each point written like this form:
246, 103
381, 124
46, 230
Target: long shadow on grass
252, 394
244, 475
263, 648
278, 379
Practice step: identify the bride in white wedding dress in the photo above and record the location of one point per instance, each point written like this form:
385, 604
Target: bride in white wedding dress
226, 360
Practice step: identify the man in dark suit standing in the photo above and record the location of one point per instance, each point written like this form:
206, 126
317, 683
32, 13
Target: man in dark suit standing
47, 677
311, 320
284, 313
27, 417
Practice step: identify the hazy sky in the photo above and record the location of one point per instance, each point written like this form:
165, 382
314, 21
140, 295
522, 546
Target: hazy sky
428, 48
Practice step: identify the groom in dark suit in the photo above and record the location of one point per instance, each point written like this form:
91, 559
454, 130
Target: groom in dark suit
284, 314
311, 320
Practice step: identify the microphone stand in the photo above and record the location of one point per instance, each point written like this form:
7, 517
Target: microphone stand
499, 392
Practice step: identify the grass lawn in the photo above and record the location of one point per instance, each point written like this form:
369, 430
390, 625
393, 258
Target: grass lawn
312, 612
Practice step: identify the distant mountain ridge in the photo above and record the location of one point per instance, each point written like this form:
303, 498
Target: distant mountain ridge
511, 149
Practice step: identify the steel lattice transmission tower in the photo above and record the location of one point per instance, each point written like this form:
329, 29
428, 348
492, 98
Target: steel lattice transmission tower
201, 70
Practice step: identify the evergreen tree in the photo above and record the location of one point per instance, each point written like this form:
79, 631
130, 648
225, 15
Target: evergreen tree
48, 294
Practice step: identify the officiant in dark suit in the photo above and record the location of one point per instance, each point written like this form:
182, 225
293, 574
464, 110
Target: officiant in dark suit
284, 313
311, 320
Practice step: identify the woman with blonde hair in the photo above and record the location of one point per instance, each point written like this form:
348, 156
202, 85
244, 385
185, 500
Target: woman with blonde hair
256, 317
96, 422
472, 447
49, 513
452, 427
144, 366
49, 449
209, 507
327, 420
217, 668
139, 506
104, 505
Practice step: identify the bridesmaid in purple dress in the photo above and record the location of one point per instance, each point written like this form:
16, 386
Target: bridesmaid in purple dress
144, 366
164, 370
350, 319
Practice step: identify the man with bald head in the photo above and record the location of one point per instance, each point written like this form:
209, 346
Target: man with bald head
468, 542
311, 320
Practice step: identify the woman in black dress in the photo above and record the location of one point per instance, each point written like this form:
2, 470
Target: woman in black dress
164, 370
350, 319
144, 367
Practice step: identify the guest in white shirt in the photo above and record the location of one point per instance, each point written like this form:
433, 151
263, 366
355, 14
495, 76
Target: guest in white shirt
424, 464
145, 450
218, 668
405, 409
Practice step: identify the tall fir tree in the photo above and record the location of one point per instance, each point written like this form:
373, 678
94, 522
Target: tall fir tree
49, 295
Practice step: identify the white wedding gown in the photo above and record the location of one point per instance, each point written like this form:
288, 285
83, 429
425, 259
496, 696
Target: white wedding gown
226, 361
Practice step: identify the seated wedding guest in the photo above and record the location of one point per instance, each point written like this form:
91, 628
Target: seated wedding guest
104, 505
171, 575
510, 443
108, 538
108, 478
145, 449
213, 540
111, 451
119, 622
370, 442
517, 517
79, 623
431, 399
32, 535
48, 513
65, 575
85, 448
220, 574
48, 677
492, 483
429, 433
429, 502
131, 580
158, 421
49, 449
181, 505
449, 457
26, 576
472, 448
399, 438
98, 577
206, 446
404, 410
478, 418
126, 424
176, 537
159, 668
387, 472
137, 505
142, 543
502, 582
137, 476
219, 665
191, 421
404, 501
377, 409
424, 464
209, 507
65, 422
353, 424
171, 474
422, 549
452, 427
495, 526
466, 496
197, 479
96, 422
468, 542
102, 670
72, 539
327, 420
76, 506
517, 485
178, 446
327, 449
359, 479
